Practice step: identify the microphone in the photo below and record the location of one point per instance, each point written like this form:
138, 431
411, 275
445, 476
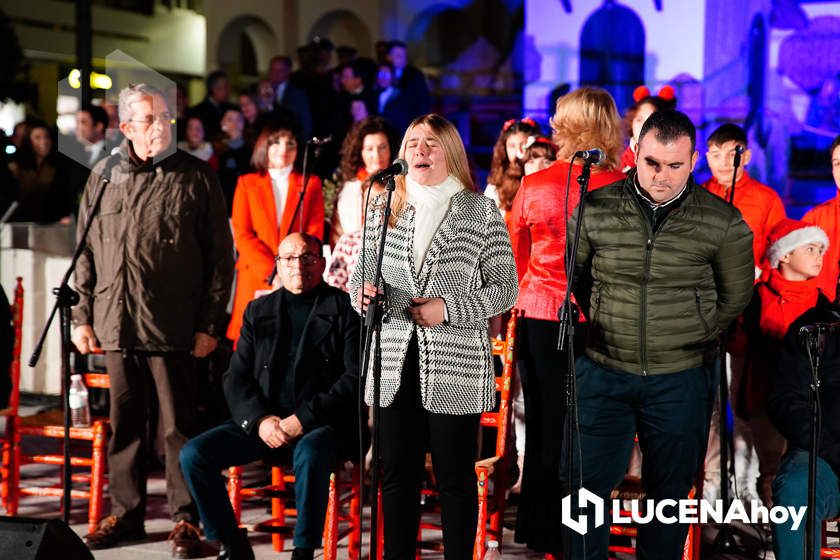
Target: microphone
399, 167
594, 156
320, 141
739, 149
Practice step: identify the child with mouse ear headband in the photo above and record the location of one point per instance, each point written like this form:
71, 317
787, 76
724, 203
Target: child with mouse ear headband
645, 105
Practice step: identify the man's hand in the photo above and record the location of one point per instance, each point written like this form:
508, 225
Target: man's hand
291, 426
84, 339
427, 312
271, 433
204, 344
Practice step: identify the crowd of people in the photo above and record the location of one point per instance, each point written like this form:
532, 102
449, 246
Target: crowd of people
228, 239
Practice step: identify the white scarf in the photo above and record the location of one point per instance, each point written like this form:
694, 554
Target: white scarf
279, 188
431, 203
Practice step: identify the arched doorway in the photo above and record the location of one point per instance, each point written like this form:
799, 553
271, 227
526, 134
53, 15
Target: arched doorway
612, 52
343, 27
245, 46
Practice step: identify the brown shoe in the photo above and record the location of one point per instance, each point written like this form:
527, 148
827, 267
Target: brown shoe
186, 540
113, 530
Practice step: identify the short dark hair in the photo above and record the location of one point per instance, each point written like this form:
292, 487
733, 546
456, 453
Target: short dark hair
213, 78
281, 58
97, 114
394, 44
834, 145
669, 126
728, 132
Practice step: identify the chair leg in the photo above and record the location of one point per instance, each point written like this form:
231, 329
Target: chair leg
97, 475
11, 456
481, 527
278, 507
354, 540
235, 491
331, 522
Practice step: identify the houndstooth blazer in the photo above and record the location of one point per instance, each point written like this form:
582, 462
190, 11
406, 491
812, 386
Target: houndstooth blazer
470, 265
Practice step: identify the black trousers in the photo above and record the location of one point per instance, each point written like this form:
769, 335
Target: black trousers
407, 430
670, 413
542, 368
133, 375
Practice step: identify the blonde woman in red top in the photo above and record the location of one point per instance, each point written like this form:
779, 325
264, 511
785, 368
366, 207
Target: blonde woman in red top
584, 119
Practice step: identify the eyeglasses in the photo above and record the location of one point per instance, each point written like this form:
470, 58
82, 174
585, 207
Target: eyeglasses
162, 118
305, 259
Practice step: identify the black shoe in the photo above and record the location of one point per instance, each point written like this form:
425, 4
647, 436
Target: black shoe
112, 531
303, 553
238, 548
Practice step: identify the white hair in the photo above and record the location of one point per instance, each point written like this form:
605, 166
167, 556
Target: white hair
132, 94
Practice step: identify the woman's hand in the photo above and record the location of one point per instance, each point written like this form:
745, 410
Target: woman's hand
427, 312
365, 295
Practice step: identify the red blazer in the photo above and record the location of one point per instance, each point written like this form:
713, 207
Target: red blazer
257, 235
537, 227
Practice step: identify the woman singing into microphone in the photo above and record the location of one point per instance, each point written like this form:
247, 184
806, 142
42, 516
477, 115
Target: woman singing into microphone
448, 267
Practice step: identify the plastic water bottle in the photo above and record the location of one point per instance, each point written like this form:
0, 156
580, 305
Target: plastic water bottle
79, 407
492, 552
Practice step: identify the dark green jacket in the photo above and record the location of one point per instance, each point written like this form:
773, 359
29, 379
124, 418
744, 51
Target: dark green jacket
659, 301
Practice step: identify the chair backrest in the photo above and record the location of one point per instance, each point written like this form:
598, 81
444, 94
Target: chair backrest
16, 308
500, 418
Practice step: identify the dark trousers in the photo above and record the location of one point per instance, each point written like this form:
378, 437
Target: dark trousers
204, 458
670, 413
407, 430
132, 376
542, 368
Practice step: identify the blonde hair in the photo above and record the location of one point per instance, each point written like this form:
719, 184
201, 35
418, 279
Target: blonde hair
454, 155
588, 118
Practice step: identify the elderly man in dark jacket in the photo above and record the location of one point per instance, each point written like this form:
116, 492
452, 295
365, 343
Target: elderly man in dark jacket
787, 406
154, 280
663, 268
291, 389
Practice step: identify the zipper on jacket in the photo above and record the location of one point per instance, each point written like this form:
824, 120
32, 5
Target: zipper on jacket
645, 279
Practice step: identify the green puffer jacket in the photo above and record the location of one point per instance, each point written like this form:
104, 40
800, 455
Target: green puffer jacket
659, 301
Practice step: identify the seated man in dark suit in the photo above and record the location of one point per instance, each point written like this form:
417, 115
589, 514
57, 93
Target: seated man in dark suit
291, 389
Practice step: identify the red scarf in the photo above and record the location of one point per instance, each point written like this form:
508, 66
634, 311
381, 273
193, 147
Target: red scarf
783, 301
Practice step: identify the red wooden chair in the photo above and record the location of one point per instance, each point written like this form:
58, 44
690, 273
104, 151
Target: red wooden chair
343, 517
88, 486
495, 469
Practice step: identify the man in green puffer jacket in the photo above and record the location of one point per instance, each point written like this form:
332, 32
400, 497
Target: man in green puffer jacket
662, 268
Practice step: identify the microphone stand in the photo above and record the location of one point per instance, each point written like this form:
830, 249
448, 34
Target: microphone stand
66, 298
814, 346
306, 173
568, 315
373, 324
725, 539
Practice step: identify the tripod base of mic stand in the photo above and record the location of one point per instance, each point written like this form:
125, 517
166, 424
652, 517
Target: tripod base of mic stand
725, 543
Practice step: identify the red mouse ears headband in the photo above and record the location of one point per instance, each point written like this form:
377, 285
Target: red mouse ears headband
510, 122
667, 93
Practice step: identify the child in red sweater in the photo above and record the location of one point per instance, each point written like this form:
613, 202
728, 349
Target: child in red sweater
795, 254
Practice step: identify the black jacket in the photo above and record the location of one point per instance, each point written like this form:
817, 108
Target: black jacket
787, 403
326, 368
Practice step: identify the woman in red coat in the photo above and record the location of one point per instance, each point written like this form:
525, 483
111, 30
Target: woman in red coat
586, 118
263, 214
